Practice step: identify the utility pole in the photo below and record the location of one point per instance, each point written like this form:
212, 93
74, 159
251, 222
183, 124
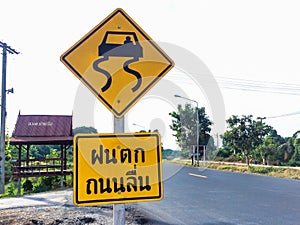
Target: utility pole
261, 119
217, 136
197, 128
5, 49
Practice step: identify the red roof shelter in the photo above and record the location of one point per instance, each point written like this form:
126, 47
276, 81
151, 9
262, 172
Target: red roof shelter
41, 130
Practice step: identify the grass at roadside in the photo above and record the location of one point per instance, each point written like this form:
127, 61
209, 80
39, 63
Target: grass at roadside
275, 171
283, 172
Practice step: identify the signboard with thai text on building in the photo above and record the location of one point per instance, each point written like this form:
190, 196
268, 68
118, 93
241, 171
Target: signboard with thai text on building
117, 168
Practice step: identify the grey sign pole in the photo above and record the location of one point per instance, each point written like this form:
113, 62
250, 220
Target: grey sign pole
3, 115
119, 209
5, 49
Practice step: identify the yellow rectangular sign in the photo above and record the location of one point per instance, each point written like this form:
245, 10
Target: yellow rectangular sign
117, 168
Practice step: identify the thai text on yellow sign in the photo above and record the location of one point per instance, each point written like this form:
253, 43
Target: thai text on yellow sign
117, 168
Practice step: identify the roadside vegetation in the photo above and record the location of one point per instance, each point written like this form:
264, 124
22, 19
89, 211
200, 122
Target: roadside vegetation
38, 184
274, 171
248, 145
34, 184
283, 172
246, 141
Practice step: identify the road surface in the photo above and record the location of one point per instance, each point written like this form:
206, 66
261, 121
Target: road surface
191, 197
216, 197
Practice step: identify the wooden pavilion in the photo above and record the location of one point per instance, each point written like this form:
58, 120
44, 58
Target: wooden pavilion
41, 130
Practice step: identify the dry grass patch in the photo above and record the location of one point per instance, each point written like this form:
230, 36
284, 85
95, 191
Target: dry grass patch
283, 172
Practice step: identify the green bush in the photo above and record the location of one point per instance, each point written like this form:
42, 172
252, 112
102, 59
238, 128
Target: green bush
41, 188
185, 154
11, 189
293, 162
262, 170
224, 153
227, 167
235, 158
27, 186
46, 184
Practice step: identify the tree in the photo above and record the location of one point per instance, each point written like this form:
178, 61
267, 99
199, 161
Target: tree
184, 124
295, 159
268, 149
245, 134
291, 150
85, 130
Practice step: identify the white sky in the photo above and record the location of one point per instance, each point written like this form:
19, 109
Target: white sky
248, 40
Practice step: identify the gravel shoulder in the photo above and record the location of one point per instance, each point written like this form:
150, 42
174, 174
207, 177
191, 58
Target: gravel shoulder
57, 208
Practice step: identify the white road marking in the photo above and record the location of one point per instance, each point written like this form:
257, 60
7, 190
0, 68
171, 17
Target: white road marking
197, 175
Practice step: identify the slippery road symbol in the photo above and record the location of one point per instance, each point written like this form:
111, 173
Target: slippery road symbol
129, 48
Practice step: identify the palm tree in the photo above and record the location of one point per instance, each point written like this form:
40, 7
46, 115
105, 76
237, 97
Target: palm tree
290, 147
295, 159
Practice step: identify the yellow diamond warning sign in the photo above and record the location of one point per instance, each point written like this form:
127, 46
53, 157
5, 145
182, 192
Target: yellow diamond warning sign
117, 168
118, 62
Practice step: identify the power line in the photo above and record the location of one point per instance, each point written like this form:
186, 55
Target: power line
263, 86
259, 83
246, 85
284, 115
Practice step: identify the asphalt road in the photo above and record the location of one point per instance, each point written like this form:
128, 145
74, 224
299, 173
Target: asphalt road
55, 198
212, 197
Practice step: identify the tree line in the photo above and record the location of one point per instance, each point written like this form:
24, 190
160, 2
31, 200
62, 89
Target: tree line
245, 139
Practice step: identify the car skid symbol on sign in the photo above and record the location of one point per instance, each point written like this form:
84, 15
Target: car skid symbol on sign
126, 49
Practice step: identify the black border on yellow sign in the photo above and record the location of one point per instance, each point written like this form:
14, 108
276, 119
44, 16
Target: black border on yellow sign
95, 92
118, 200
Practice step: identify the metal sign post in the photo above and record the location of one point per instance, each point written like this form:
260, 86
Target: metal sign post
102, 60
119, 209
